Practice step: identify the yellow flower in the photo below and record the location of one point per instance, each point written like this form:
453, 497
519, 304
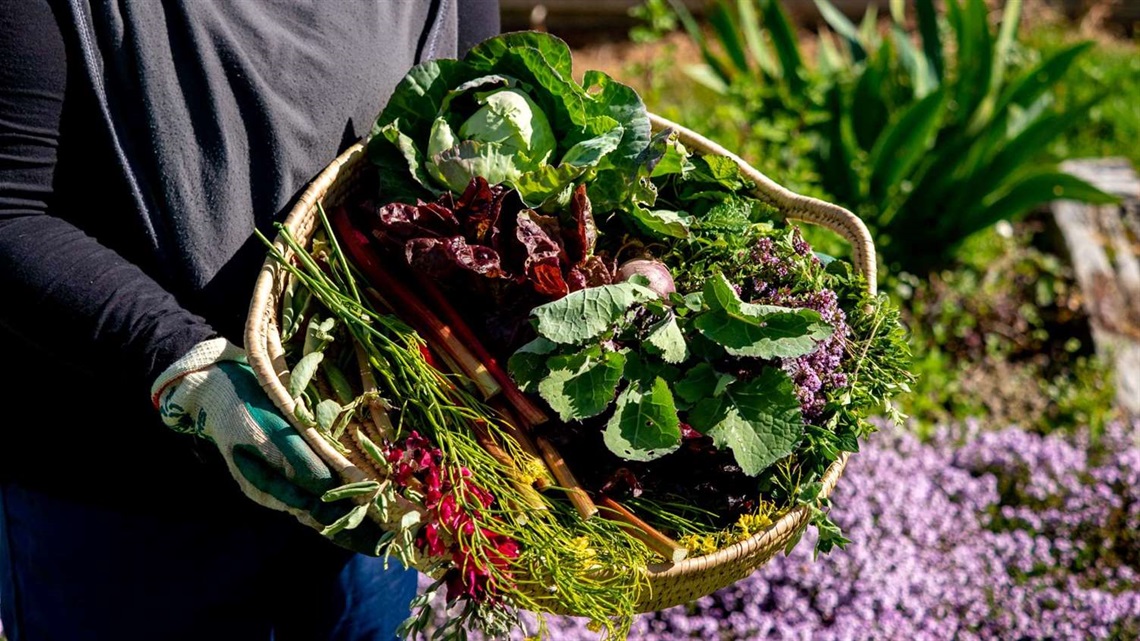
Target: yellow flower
699, 543
580, 546
533, 470
751, 524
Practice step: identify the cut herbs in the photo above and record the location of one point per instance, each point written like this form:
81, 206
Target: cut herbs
546, 313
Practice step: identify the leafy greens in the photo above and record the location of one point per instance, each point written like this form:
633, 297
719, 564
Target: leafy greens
625, 340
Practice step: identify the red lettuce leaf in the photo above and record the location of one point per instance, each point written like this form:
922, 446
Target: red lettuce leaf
580, 238
496, 257
440, 258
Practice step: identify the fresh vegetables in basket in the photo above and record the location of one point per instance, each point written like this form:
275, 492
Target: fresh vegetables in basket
563, 351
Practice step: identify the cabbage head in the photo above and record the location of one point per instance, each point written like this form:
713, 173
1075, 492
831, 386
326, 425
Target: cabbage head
506, 136
511, 112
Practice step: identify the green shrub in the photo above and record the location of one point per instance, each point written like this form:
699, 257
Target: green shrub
655, 19
930, 142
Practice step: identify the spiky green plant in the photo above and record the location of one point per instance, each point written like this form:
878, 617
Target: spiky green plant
929, 140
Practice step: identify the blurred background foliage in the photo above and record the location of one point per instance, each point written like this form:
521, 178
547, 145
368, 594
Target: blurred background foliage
930, 129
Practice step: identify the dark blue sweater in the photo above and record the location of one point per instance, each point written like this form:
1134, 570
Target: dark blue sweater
141, 142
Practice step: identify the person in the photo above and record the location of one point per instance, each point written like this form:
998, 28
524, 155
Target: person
141, 143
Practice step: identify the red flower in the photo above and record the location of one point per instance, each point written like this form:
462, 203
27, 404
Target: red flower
448, 511
483, 496
433, 487
453, 505
430, 540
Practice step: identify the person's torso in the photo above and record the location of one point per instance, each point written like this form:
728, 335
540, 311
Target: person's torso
224, 110
214, 114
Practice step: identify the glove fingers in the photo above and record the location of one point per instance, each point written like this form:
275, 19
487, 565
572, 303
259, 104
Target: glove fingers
267, 478
246, 386
307, 469
302, 464
272, 480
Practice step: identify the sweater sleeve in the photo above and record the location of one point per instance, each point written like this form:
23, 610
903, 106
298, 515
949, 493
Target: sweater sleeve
62, 292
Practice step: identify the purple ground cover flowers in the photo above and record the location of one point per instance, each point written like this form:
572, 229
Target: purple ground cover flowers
976, 534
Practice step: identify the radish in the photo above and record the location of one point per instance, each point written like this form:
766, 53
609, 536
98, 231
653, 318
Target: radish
660, 280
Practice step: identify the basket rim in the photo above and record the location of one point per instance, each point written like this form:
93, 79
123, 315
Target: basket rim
268, 364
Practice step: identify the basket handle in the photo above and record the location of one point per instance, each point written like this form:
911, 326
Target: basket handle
791, 204
266, 356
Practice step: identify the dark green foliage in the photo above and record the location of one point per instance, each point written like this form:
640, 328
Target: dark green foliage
1111, 68
1004, 337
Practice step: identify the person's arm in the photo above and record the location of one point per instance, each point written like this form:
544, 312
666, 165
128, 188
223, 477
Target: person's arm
62, 290
82, 303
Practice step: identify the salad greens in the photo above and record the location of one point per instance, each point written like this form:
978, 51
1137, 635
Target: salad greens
595, 341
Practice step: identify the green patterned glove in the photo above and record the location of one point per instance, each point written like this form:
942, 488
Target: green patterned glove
212, 393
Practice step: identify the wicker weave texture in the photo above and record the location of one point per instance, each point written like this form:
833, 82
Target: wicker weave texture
670, 584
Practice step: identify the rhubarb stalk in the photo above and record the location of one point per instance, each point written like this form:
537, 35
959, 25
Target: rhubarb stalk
523, 405
398, 297
653, 539
566, 479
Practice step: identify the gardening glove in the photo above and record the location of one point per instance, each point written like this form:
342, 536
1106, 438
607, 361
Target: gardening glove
212, 393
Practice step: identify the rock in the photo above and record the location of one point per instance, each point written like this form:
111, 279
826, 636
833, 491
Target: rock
1104, 245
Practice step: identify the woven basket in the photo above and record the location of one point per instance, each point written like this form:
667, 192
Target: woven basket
671, 584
